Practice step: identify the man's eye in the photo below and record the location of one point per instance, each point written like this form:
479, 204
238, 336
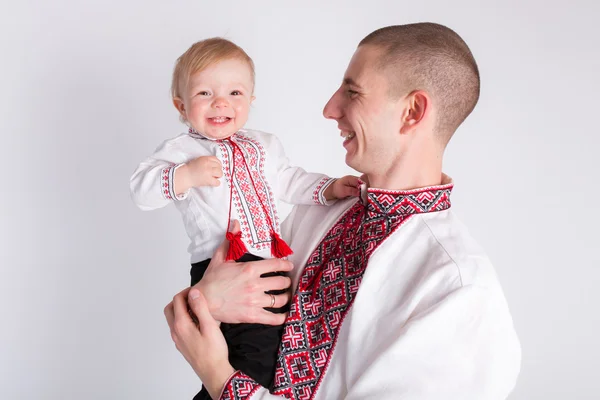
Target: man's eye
236, 93
351, 93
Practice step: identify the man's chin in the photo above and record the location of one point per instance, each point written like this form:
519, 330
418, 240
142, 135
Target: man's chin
351, 162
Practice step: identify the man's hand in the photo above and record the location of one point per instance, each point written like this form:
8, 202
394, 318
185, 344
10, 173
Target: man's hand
201, 171
202, 344
343, 187
235, 292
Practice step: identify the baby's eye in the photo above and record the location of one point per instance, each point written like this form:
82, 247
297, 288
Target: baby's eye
203, 93
236, 93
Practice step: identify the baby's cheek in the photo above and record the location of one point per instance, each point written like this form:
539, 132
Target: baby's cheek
241, 109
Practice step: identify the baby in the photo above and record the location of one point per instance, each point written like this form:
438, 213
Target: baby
218, 172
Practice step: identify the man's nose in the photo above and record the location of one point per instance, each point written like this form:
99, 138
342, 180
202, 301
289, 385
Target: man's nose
332, 109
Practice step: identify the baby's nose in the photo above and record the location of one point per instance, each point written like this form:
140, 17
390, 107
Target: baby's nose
220, 102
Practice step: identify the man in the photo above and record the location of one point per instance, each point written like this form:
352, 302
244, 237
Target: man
393, 299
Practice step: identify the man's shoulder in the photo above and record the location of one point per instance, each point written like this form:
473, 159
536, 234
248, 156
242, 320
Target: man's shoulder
429, 258
451, 239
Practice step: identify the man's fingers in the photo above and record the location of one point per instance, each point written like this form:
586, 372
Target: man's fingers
280, 300
179, 319
199, 307
170, 315
180, 307
272, 265
275, 283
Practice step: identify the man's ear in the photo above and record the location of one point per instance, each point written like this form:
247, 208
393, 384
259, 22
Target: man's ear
178, 103
416, 108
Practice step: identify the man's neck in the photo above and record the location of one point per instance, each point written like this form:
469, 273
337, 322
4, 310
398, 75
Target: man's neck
413, 170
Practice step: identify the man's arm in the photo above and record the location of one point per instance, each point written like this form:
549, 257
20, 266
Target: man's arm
464, 347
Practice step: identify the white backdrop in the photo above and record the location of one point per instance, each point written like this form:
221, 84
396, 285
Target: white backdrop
84, 275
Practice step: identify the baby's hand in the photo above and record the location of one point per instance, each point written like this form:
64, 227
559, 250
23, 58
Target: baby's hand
343, 187
202, 171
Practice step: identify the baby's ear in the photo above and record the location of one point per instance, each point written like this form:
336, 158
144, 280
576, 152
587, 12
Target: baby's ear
178, 103
252, 99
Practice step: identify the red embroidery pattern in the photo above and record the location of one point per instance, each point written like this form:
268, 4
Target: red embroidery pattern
329, 284
318, 194
247, 198
241, 387
167, 182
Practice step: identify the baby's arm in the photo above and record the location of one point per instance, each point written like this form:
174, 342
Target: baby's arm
152, 183
300, 187
168, 175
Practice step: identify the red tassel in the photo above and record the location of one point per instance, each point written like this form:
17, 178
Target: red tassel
237, 248
279, 248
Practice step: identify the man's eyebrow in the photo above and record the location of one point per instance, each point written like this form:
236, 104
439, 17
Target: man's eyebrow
350, 82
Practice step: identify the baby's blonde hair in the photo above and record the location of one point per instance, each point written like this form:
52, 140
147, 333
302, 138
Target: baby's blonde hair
203, 54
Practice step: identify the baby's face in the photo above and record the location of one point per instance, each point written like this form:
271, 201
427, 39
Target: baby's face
217, 99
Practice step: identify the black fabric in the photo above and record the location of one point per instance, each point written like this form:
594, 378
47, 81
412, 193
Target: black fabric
252, 347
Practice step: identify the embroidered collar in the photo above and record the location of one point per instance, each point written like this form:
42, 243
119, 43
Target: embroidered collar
406, 202
195, 134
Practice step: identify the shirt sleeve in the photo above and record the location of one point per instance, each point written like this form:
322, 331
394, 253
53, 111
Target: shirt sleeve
241, 387
152, 183
296, 186
463, 347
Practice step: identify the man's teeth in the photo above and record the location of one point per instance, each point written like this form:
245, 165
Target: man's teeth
349, 136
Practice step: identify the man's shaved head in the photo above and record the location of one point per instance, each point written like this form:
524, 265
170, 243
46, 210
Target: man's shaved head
432, 58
